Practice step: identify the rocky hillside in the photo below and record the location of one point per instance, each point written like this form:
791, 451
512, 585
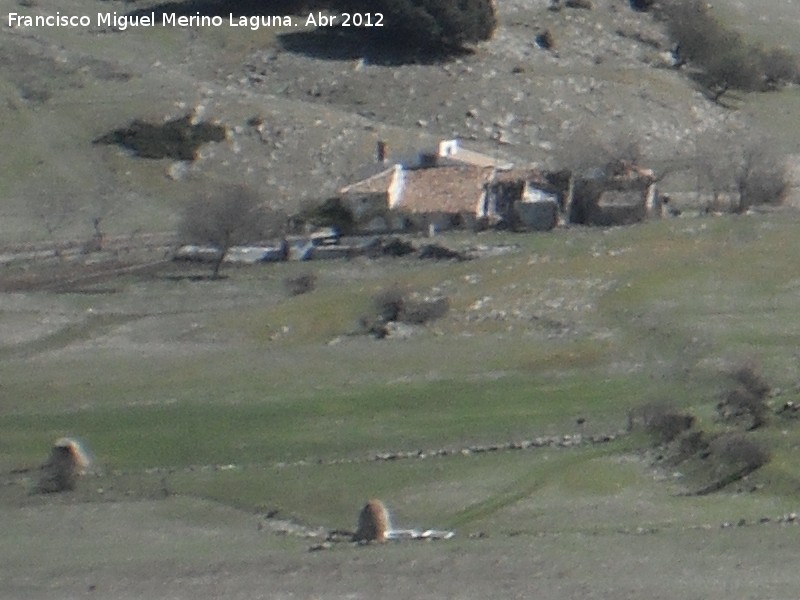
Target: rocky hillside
302, 117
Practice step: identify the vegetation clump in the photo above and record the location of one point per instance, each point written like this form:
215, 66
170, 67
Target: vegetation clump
747, 399
711, 459
724, 60
741, 171
225, 218
301, 284
178, 139
393, 305
330, 213
661, 420
431, 25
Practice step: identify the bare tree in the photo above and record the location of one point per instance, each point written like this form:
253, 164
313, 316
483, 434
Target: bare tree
227, 217
761, 177
586, 149
750, 171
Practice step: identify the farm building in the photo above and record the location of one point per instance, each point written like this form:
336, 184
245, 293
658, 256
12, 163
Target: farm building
627, 194
527, 199
371, 199
457, 188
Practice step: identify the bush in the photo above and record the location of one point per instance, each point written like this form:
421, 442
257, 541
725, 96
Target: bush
419, 312
739, 451
389, 303
431, 24
546, 40
331, 213
725, 60
748, 377
642, 5
301, 284
397, 247
179, 139
393, 305
584, 4
661, 420
750, 172
585, 151
779, 66
747, 399
689, 444
761, 178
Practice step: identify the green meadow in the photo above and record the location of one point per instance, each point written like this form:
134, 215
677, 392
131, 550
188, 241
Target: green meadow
234, 391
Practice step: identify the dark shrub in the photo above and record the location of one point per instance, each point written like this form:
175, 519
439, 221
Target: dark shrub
725, 60
300, 284
418, 312
747, 399
762, 179
739, 451
779, 66
393, 305
179, 139
691, 443
585, 4
642, 5
331, 213
663, 421
437, 252
668, 425
546, 40
389, 303
397, 247
747, 375
432, 25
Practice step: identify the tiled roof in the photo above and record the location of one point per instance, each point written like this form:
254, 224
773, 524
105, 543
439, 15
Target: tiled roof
451, 189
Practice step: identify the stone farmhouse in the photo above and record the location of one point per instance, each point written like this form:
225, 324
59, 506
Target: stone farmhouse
459, 188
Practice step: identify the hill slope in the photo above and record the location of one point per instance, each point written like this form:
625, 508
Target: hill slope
320, 111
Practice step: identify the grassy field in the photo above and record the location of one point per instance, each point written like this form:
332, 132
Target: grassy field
574, 324
208, 404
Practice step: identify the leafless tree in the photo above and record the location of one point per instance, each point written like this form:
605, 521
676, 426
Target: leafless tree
750, 171
227, 217
586, 148
761, 177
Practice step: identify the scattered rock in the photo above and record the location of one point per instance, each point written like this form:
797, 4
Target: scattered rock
322, 546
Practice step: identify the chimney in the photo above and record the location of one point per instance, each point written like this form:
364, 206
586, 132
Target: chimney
381, 152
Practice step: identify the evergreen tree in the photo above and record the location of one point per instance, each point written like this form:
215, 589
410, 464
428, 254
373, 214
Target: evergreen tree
430, 24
